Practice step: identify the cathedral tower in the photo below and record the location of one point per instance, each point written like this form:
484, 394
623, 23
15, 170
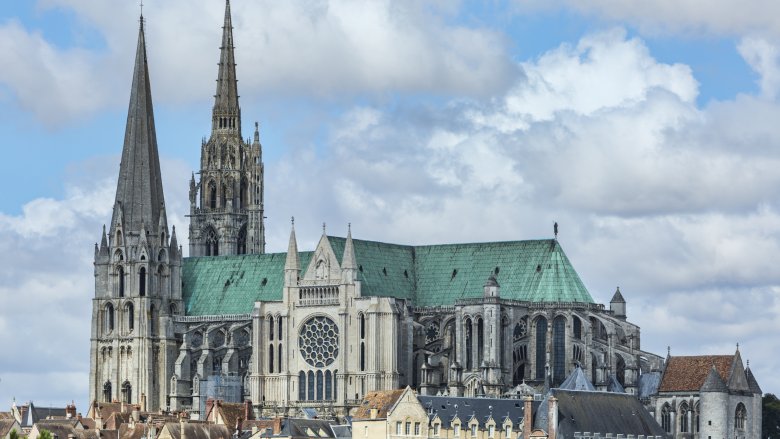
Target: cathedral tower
137, 268
226, 205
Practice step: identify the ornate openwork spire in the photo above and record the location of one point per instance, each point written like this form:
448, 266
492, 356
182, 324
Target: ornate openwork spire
139, 192
227, 113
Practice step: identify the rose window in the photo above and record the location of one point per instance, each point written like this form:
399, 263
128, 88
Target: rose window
319, 341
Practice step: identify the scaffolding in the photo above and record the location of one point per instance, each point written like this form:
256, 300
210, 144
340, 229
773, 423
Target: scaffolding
227, 388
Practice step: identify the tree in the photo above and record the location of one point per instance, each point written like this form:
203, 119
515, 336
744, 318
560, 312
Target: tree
770, 421
14, 434
45, 434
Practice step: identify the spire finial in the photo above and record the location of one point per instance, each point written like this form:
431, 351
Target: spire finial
555, 229
323, 228
349, 227
737, 346
292, 221
668, 351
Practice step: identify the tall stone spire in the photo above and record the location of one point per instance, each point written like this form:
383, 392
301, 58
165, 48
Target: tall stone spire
139, 192
227, 113
348, 261
292, 264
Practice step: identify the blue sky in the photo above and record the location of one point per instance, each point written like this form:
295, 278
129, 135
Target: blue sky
649, 133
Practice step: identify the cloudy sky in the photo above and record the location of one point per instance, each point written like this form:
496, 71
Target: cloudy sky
650, 132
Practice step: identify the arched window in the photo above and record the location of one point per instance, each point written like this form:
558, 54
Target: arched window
362, 319
109, 323
212, 242
212, 195
241, 241
310, 385
127, 393
620, 370
469, 339
335, 393
559, 349
172, 309
244, 192
328, 386
107, 391
319, 385
740, 414
577, 328
120, 272
279, 328
683, 411
363, 356
142, 281
130, 316
480, 341
279, 364
301, 386
541, 347
271, 358
696, 420
270, 328
594, 365
666, 418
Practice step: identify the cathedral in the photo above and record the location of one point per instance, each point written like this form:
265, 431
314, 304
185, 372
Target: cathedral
321, 328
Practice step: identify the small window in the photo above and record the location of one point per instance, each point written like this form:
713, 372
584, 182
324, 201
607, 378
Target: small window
397, 428
408, 429
491, 431
416, 428
436, 429
457, 430
473, 430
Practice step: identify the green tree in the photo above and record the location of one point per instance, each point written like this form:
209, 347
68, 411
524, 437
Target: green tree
770, 422
45, 434
14, 434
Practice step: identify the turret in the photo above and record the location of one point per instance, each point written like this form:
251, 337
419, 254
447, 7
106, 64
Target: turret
348, 261
292, 266
618, 305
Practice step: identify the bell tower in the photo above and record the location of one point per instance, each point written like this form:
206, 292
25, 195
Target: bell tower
137, 268
226, 204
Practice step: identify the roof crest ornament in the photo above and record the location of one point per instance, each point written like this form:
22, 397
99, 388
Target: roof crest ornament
555, 230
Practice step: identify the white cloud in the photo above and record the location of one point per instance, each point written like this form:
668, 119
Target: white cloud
326, 49
685, 16
676, 203
764, 58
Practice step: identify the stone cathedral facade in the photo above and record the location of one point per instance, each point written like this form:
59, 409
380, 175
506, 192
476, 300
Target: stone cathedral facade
321, 328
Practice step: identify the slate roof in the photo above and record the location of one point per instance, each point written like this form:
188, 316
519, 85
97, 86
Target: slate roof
432, 275
127, 432
198, 431
648, 384
577, 381
713, 382
307, 428
752, 383
382, 400
480, 408
598, 412
688, 373
614, 386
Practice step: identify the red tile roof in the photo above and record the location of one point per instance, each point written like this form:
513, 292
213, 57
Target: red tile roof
383, 401
687, 374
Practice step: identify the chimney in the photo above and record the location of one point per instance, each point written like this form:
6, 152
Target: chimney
182, 423
248, 412
136, 414
277, 425
143, 402
70, 410
99, 423
552, 417
527, 417
374, 413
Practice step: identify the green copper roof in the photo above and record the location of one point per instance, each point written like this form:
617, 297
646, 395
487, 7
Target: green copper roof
535, 271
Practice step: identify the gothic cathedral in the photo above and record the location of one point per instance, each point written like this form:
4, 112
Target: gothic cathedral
321, 328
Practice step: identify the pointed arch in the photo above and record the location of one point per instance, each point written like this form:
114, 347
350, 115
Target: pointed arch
109, 317
142, 281
129, 317
559, 349
740, 415
211, 241
541, 346
666, 418
620, 369
153, 314
241, 241
107, 391
127, 392
212, 194
120, 275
